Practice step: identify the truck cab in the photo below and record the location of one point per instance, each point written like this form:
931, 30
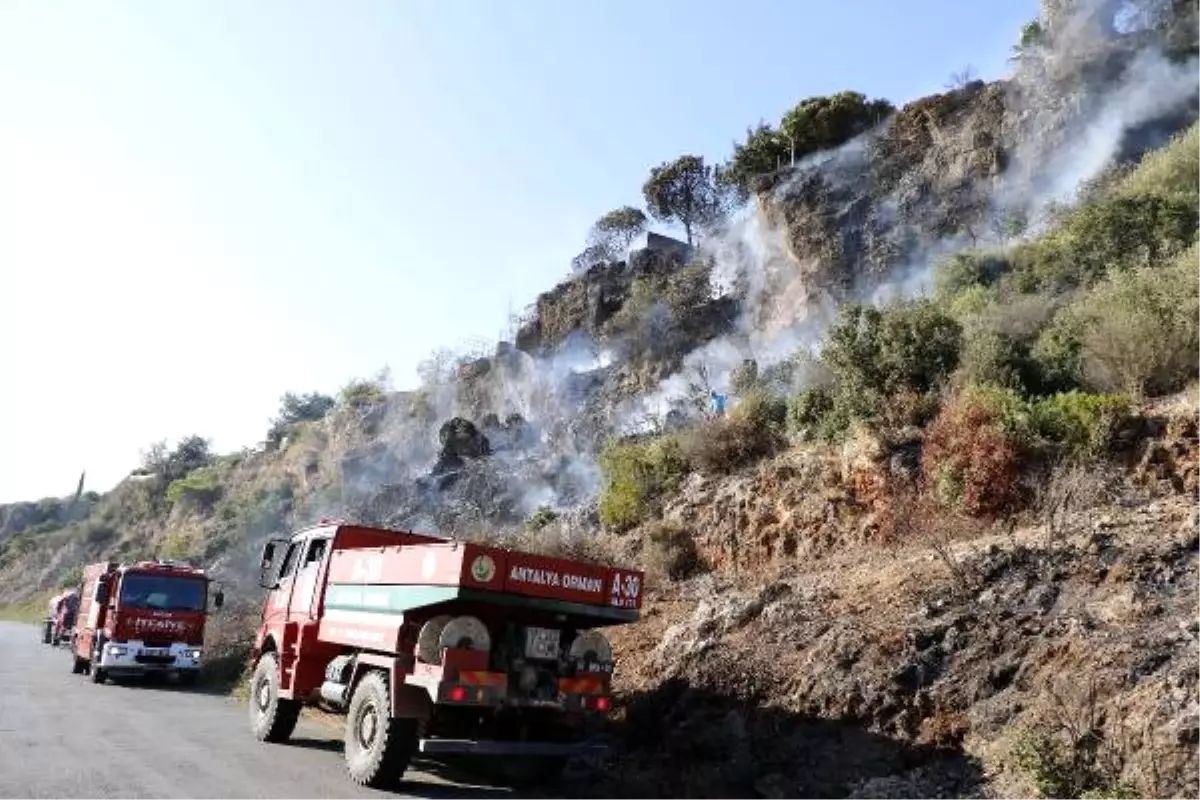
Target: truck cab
143, 618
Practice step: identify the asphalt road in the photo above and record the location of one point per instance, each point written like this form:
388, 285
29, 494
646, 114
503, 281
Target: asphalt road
63, 736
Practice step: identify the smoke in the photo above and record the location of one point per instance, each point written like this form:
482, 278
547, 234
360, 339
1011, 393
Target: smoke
1096, 92
830, 231
1099, 91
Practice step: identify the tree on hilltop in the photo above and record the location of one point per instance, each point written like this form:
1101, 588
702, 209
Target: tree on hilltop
191, 453
812, 125
686, 191
823, 123
610, 236
295, 408
617, 229
764, 151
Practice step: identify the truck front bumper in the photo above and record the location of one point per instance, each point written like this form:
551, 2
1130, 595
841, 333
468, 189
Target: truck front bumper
508, 748
135, 657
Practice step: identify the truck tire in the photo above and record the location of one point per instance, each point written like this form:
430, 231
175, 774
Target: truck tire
98, 675
378, 746
187, 678
46, 636
272, 718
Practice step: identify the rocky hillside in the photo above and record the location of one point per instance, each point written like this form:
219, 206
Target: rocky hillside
960, 344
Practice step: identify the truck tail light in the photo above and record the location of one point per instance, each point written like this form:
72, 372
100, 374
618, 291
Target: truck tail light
600, 703
457, 694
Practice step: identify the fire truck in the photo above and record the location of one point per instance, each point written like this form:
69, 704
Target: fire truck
434, 647
60, 617
140, 619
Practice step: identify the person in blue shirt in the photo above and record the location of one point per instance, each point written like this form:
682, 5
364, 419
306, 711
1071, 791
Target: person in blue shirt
716, 403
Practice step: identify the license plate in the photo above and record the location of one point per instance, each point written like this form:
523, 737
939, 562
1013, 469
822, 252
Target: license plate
541, 643
156, 652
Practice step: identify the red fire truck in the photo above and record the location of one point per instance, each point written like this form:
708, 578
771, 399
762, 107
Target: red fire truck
60, 618
435, 647
143, 618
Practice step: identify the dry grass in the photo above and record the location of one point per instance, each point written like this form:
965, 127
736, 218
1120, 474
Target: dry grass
669, 553
752, 431
31, 611
228, 641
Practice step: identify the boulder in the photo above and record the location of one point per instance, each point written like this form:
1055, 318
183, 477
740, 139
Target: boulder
459, 439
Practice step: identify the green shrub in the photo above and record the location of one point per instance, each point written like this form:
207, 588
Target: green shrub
989, 356
200, 488
1056, 352
967, 270
1010, 411
1139, 332
636, 474
1115, 233
1169, 171
178, 546
911, 346
540, 518
968, 301
1062, 769
362, 394
71, 578
744, 378
1082, 423
875, 357
99, 533
820, 413
294, 408
809, 408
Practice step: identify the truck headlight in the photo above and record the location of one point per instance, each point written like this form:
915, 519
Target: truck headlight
194, 654
116, 650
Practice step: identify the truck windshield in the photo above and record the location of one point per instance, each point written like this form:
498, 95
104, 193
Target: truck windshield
163, 592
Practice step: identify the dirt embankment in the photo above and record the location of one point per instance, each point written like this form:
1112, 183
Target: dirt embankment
1058, 655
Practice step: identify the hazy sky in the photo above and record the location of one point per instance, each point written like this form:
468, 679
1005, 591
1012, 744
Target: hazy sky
206, 204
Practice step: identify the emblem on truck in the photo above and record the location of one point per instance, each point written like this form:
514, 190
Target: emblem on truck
483, 568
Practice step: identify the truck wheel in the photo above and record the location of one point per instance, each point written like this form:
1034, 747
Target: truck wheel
187, 678
46, 634
98, 675
272, 718
378, 746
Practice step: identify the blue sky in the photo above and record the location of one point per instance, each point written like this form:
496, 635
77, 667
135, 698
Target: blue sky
206, 204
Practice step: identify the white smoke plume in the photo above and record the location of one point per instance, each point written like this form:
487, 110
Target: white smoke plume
1066, 129
1062, 126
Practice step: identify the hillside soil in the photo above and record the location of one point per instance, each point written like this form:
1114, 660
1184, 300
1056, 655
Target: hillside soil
927, 666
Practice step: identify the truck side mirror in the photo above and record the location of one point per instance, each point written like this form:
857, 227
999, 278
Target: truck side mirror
266, 569
101, 594
218, 599
268, 555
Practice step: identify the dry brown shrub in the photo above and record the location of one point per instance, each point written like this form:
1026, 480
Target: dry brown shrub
754, 430
669, 553
969, 462
228, 639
